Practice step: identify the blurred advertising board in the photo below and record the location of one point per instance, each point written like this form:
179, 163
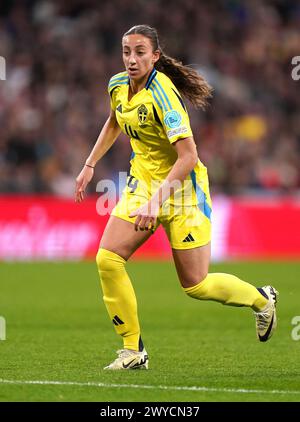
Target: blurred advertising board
51, 228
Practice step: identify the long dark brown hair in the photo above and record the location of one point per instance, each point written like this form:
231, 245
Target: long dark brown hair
186, 79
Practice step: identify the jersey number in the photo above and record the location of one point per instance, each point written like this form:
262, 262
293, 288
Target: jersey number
132, 183
131, 133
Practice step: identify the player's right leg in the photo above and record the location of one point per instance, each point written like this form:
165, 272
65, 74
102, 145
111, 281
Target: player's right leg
118, 243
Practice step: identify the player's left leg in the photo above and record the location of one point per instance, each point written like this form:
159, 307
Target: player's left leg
192, 269
189, 235
227, 289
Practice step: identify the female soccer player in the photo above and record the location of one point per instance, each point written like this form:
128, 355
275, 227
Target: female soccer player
167, 184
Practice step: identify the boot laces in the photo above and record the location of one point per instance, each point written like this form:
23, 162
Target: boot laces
262, 319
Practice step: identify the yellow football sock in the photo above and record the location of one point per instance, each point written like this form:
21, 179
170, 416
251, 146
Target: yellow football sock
119, 297
229, 290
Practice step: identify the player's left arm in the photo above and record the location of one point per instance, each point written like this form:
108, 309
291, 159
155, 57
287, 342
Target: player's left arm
186, 161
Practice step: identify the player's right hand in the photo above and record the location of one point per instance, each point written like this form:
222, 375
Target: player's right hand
84, 177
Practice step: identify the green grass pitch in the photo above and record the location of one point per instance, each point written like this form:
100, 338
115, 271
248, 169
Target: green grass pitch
57, 329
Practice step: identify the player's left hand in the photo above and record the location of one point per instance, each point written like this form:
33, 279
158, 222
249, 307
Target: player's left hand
146, 216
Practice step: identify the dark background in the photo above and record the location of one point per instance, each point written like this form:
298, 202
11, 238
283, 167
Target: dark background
61, 55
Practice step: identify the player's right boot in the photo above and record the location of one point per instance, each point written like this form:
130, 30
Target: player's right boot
266, 320
129, 359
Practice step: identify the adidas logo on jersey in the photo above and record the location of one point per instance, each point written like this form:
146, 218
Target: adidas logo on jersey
189, 238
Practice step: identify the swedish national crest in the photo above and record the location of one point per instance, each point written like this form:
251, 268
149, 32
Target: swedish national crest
142, 113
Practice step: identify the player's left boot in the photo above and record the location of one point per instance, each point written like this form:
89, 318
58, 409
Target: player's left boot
266, 320
129, 359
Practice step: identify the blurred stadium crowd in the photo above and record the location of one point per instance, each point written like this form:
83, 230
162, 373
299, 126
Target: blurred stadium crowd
61, 54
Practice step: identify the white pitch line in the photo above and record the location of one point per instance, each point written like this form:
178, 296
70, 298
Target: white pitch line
149, 387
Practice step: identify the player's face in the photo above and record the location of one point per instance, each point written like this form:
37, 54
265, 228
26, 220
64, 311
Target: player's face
138, 55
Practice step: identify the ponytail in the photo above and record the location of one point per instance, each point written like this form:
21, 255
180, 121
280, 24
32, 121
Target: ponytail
186, 79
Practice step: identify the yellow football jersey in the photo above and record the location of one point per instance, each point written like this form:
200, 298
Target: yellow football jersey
154, 118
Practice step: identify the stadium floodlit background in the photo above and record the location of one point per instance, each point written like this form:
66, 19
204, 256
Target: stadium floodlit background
59, 58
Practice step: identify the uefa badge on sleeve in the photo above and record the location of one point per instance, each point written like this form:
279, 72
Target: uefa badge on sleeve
172, 119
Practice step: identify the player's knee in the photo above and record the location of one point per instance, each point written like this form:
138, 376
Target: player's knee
192, 279
108, 261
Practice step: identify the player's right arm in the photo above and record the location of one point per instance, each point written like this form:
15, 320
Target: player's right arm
106, 138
